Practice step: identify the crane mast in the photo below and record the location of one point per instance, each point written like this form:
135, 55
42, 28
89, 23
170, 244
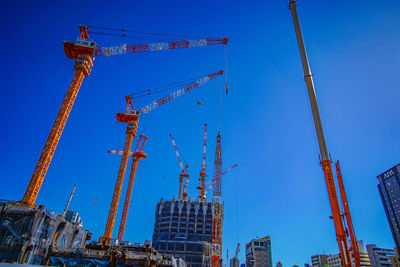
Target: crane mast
83, 50
137, 155
203, 170
325, 160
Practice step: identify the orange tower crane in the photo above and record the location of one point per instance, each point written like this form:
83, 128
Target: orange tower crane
203, 170
341, 231
183, 173
83, 51
137, 155
131, 117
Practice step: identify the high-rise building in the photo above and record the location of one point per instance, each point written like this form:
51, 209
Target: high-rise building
234, 262
183, 229
319, 260
389, 190
258, 252
379, 257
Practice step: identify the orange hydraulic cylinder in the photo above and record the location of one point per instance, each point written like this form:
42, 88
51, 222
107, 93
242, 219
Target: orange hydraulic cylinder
82, 68
135, 160
336, 214
130, 134
356, 252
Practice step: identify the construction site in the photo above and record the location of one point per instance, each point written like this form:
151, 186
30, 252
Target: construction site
188, 228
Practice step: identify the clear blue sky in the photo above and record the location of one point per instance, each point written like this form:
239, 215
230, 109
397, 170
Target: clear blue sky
278, 188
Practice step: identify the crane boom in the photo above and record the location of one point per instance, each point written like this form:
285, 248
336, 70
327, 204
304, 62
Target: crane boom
183, 174
214, 181
138, 154
179, 92
325, 162
177, 152
127, 49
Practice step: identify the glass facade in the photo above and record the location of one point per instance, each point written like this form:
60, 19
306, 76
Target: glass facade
389, 190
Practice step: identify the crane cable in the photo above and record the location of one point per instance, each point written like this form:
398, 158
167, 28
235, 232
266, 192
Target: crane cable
123, 32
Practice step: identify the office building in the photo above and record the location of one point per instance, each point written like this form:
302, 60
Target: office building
334, 260
258, 252
389, 190
183, 229
379, 257
319, 260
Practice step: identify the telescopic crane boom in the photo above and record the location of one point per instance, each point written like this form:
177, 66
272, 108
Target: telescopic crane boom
325, 159
84, 51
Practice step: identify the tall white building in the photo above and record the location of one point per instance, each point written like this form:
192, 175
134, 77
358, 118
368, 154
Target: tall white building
335, 260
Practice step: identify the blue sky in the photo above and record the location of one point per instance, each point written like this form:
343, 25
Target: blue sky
267, 128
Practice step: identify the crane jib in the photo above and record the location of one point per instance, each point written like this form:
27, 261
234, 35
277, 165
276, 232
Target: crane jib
125, 49
172, 96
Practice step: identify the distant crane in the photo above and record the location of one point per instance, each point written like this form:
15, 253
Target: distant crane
235, 259
203, 170
184, 169
131, 117
69, 201
326, 163
199, 102
137, 155
83, 51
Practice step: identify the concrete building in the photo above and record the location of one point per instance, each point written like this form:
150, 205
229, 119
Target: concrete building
395, 259
258, 252
334, 260
234, 262
389, 190
319, 260
183, 229
379, 257
365, 262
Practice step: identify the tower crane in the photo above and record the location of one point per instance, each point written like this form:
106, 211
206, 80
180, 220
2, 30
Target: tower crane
131, 117
84, 51
326, 163
183, 173
137, 155
236, 255
203, 170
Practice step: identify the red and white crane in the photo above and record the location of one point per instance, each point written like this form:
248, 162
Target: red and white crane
203, 170
183, 173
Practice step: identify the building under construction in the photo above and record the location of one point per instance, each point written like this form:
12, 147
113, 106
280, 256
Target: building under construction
184, 229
